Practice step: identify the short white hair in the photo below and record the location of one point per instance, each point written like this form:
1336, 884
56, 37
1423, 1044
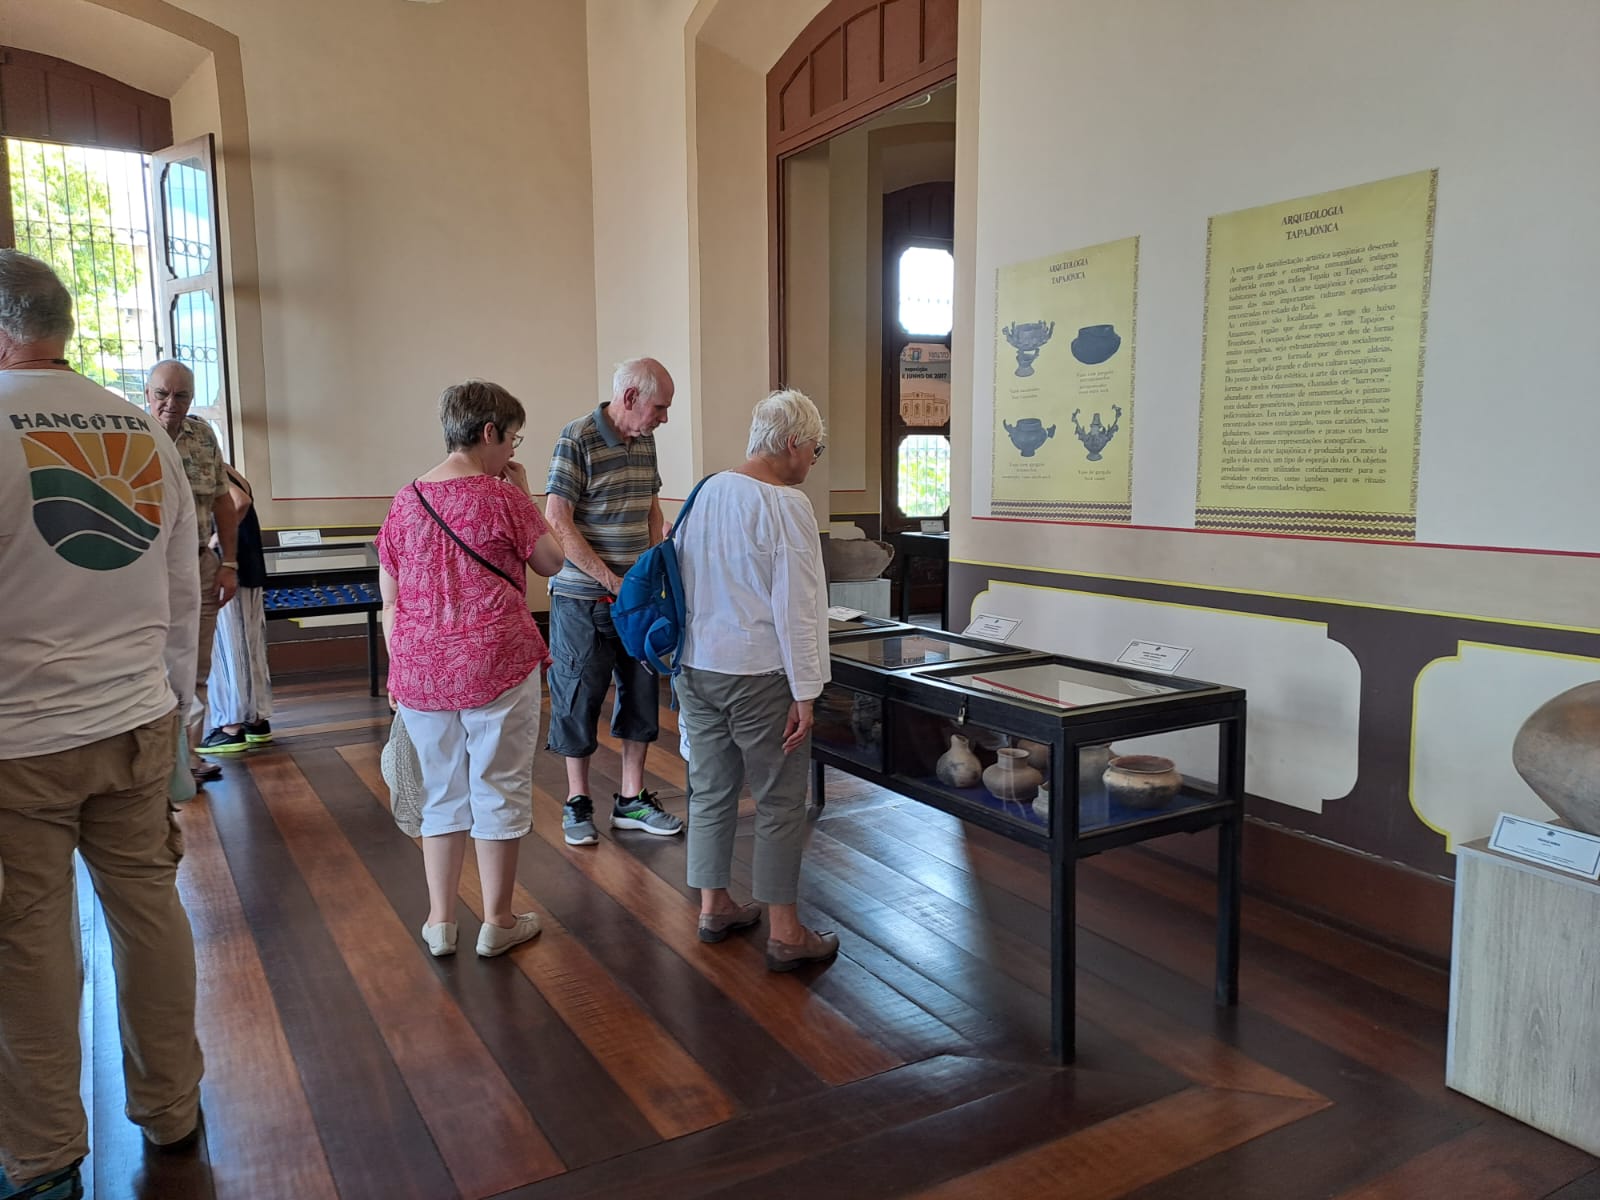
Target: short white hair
783, 419
641, 373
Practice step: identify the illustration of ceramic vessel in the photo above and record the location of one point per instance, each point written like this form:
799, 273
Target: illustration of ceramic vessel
1027, 339
1095, 343
1098, 435
1028, 434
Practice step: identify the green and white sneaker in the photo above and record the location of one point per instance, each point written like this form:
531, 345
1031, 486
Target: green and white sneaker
577, 821
642, 812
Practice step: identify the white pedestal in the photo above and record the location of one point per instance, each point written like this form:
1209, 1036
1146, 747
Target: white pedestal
1525, 993
871, 596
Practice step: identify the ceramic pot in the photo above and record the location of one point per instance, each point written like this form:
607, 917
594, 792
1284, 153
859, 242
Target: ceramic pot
1095, 343
1092, 763
1557, 752
1142, 780
1038, 755
1011, 778
957, 766
1028, 434
1041, 802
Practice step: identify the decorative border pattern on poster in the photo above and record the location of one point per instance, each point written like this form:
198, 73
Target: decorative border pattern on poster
1311, 363
1063, 386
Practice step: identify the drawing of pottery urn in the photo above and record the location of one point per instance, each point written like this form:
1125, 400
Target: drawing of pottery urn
1098, 435
1028, 434
1095, 343
1027, 339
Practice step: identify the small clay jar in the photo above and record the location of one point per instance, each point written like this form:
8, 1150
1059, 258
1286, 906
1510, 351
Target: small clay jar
958, 766
1145, 781
1011, 778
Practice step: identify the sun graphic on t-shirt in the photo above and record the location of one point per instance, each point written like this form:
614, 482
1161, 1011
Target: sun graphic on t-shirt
96, 495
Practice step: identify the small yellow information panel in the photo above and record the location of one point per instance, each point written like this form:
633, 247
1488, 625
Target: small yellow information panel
1063, 385
1311, 372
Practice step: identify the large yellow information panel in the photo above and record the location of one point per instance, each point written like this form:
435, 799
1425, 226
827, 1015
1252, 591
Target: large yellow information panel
1063, 385
1311, 375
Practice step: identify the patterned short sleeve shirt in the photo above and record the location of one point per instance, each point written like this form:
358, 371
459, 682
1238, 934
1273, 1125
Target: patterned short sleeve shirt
202, 460
612, 484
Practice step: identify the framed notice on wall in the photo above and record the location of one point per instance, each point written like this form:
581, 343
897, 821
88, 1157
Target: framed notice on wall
1063, 385
1311, 366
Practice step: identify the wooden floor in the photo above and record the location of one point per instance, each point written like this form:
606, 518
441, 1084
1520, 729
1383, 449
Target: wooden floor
617, 1056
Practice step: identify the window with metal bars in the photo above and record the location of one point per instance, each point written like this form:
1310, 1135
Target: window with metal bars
84, 211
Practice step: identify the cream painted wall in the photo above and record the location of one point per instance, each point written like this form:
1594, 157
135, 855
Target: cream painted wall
639, 113
807, 333
389, 230
1172, 113
853, 403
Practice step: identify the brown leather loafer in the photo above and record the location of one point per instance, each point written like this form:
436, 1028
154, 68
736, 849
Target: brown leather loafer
716, 926
819, 946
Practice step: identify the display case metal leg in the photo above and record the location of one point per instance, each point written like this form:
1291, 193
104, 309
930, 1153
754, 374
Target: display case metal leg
1230, 853
1063, 954
818, 795
372, 651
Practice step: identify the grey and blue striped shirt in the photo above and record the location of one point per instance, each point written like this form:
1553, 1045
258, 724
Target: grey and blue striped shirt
611, 484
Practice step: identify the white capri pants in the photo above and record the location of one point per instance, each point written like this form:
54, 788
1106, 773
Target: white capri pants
477, 764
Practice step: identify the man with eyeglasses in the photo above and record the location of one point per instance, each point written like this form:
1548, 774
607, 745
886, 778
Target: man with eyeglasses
168, 392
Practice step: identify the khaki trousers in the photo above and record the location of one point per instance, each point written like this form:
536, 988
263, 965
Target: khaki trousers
735, 730
108, 800
210, 564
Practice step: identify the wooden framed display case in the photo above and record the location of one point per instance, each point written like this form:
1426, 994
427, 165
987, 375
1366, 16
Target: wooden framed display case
1017, 741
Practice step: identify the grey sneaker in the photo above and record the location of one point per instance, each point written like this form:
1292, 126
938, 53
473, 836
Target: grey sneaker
642, 812
577, 821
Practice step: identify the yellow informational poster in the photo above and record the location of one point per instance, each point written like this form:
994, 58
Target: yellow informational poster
1063, 385
1311, 365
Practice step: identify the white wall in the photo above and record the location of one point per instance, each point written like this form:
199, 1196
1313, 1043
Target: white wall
1098, 122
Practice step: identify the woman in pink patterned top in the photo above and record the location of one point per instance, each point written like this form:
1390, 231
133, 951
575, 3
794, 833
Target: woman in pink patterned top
465, 653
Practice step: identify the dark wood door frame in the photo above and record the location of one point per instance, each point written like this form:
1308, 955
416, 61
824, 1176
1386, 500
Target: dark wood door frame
854, 60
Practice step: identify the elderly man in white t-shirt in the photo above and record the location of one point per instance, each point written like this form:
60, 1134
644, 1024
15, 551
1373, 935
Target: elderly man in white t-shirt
755, 657
101, 594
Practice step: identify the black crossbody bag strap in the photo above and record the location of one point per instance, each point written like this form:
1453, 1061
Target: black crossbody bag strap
481, 560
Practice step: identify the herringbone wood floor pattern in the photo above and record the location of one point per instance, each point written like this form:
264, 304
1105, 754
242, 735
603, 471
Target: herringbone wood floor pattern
617, 1056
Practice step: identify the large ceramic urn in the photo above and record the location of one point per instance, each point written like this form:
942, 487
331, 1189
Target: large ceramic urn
1557, 752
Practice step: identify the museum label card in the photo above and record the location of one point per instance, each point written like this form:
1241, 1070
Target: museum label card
1154, 656
992, 628
839, 612
1564, 849
299, 537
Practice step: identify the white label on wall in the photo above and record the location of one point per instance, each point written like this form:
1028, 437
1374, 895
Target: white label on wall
1564, 849
1154, 656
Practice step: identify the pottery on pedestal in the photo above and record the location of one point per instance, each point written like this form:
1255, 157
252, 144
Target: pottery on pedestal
1557, 752
1142, 780
1011, 778
958, 766
1041, 801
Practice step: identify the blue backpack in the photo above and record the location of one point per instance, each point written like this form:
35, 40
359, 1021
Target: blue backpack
649, 612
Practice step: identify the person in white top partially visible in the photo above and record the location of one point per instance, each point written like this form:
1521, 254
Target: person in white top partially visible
755, 657
100, 591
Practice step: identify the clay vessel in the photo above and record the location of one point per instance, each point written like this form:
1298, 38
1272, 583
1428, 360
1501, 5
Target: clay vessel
1038, 755
1095, 343
1092, 762
957, 766
1142, 780
1557, 752
1011, 778
1028, 434
1041, 802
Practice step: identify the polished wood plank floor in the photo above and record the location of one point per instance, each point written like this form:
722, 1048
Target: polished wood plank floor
617, 1056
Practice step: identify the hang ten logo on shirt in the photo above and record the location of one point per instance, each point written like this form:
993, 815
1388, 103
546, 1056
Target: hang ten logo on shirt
96, 495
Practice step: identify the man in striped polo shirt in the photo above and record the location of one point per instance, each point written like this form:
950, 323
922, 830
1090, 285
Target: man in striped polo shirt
603, 502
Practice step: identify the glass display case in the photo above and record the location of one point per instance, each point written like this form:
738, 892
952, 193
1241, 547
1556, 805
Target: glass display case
848, 716
1068, 755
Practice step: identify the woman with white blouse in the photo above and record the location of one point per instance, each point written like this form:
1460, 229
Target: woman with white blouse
755, 657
